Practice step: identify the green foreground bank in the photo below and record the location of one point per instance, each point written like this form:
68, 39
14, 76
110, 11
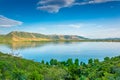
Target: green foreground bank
17, 68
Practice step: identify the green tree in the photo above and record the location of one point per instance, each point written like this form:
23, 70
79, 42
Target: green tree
77, 62
53, 62
42, 62
69, 62
106, 58
90, 61
96, 61
47, 63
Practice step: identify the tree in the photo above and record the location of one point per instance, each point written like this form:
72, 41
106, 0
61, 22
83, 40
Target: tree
53, 62
90, 61
47, 63
76, 62
106, 58
42, 62
69, 62
96, 61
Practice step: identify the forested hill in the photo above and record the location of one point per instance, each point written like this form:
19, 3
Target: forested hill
26, 36
16, 68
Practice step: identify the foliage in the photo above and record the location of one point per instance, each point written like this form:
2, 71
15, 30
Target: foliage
16, 68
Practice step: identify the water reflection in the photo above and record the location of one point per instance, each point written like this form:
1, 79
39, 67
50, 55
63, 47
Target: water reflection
62, 50
26, 45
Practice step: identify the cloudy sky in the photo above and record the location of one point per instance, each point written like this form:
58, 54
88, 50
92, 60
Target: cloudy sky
89, 18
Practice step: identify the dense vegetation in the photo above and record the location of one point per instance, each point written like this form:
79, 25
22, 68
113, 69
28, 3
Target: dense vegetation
16, 68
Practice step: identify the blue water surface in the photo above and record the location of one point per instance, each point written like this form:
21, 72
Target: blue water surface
63, 50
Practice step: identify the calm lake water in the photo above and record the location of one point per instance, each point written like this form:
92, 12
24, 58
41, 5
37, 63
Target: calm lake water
63, 50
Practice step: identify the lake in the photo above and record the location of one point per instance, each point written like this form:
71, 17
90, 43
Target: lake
61, 51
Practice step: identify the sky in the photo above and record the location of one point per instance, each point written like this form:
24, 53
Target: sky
88, 18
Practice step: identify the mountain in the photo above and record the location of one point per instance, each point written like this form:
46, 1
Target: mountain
112, 39
26, 36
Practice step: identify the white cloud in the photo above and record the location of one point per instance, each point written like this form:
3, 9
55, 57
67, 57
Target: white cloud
74, 26
53, 6
6, 22
50, 8
93, 2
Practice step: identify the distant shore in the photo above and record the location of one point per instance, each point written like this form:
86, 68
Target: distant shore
17, 36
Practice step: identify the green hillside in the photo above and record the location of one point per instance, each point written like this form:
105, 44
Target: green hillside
16, 68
